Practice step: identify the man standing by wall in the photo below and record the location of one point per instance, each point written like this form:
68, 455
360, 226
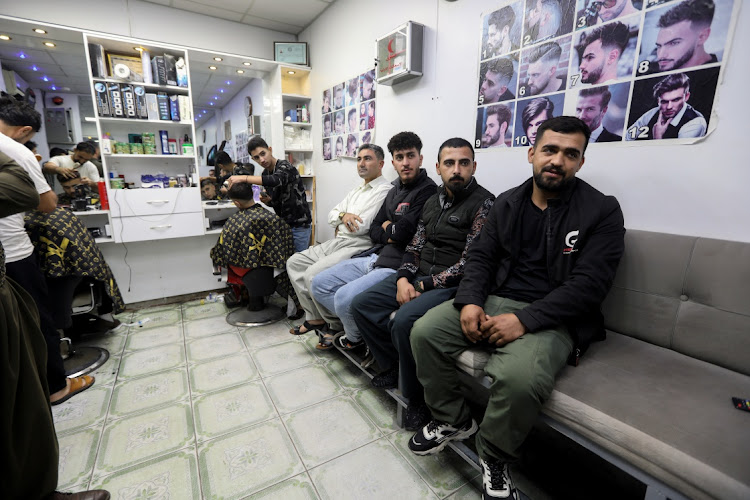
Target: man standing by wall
532, 291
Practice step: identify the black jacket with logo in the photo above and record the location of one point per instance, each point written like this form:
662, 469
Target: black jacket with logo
585, 240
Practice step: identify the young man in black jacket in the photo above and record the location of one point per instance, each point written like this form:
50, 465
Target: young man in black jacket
391, 229
531, 295
430, 271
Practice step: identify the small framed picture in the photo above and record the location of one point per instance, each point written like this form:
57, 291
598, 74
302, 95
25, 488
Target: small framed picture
133, 63
291, 53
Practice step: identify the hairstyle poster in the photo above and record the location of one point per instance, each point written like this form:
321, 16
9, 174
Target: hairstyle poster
632, 70
349, 116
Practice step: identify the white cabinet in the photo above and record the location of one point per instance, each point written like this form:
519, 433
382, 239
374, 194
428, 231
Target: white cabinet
157, 227
154, 201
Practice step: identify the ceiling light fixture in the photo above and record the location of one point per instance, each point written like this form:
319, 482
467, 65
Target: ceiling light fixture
290, 72
40, 31
49, 44
34, 68
53, 88
5, 37
210, 104
212, 68
240, 71
218, 59
216, 98
247, 63
228, 82
221, 91
139, 49
21, 55
45, 78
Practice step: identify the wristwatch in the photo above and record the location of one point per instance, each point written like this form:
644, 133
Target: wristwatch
341, 215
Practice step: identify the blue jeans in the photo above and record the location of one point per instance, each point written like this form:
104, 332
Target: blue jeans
336, 287
301, 237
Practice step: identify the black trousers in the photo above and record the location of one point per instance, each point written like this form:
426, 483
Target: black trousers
388, 339
27, 274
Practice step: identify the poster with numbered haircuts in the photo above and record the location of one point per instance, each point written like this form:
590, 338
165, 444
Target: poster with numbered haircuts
630, 69
350, 121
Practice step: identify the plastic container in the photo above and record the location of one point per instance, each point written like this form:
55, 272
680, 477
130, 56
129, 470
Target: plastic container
103, 198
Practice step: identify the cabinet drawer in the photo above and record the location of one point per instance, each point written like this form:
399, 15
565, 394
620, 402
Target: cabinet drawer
136, 202
157, 227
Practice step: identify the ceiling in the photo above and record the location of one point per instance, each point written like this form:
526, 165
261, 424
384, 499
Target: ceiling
288, 16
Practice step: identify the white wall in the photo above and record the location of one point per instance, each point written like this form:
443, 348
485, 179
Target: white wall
70, 102
150, 21
686, 189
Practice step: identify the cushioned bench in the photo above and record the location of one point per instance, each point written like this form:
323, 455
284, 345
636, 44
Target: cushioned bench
655, 397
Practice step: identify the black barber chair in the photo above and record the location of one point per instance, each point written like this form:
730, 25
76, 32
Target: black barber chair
260, 286
74, 297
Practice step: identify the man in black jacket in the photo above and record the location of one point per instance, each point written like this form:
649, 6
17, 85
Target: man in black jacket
430, 271
531, 296
391, 229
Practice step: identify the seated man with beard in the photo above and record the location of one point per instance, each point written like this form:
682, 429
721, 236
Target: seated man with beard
255, 239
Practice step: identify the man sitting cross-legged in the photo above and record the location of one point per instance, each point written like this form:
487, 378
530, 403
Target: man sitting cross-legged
352, 218
430, 270
392, 228
531, 295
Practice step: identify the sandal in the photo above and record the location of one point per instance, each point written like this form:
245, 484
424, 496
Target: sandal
308, 326
325, 343
77, 386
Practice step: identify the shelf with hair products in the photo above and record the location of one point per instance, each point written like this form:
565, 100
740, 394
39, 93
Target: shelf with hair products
143, 108
297, 127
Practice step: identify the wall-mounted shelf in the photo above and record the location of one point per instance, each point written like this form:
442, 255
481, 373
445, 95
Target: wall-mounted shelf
170, 157
155, 86
136, 121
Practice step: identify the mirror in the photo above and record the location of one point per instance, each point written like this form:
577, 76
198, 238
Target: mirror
228, 96
51, 62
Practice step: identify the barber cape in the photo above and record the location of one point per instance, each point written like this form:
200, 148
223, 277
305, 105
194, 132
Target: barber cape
65, 248
254, 237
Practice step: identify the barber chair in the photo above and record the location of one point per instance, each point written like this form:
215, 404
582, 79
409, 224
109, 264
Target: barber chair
77, 297
259, 285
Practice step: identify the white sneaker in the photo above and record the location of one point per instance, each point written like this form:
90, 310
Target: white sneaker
496, 480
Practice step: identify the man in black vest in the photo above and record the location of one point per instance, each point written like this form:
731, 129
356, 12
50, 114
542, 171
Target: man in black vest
531, 296
430, 271
391, 230
673, 118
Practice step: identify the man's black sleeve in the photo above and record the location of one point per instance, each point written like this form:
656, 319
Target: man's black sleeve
403, 230
481, 264
590, 279
377, 234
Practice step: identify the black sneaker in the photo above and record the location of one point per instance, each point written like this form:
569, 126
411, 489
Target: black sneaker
386, 380
368, 360
433, 437
496, 480
416, 416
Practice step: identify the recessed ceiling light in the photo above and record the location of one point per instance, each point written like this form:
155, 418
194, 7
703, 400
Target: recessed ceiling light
34, 68
210, 104
5, 37
49, 44
21, 55
218, 59
40, 31
228, 82
221, 91
45, 78
247, 63
53, 88
240, 71
212, 67
290, 72
215, 98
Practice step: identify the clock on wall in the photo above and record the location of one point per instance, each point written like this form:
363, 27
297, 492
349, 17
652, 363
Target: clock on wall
204, 136
248, 106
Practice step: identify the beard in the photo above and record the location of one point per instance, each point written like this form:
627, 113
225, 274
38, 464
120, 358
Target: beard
551, 185
490, 140
456, 185
678, 62
593, 75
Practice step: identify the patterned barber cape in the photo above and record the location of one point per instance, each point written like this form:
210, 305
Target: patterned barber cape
65, 248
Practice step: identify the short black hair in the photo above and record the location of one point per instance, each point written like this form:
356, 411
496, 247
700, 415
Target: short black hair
62, 179
456, 142
327, 118
206, 182
602, 91
242, 191
403, 141
502, 18
30, 144
57, 152
352, 111
379, 153
86, 147
502, 66
564, 125
612, 35
222, 158
19, 114
672, 82
255, 143
700, 12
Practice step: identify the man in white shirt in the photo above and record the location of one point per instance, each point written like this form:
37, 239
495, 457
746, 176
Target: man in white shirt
351, 218
18, 124
77, 160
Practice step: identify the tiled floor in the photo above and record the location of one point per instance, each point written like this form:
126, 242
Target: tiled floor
190, 407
